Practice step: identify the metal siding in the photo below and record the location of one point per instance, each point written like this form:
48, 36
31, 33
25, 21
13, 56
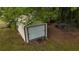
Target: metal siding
36, 32
32, 32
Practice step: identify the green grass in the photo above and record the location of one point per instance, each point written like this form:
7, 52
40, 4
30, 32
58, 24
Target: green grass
10, 40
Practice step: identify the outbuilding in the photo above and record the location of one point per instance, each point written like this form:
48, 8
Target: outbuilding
30, 30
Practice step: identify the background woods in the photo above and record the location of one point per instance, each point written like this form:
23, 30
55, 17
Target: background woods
68, 15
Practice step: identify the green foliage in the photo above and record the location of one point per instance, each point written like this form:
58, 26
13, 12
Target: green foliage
73, 9
45, 14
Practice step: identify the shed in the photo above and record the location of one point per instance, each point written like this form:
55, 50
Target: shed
33, 31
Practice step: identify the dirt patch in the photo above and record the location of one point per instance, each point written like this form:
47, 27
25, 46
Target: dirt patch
65, 39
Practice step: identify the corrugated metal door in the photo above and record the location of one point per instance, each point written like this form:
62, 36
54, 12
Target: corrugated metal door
36, 32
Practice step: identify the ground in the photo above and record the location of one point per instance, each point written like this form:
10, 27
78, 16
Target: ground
3, 24
58, 40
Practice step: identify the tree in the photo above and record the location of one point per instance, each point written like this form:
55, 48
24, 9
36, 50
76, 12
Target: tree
68, 15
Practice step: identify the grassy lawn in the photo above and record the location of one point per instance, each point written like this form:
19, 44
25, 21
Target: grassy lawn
10, 40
